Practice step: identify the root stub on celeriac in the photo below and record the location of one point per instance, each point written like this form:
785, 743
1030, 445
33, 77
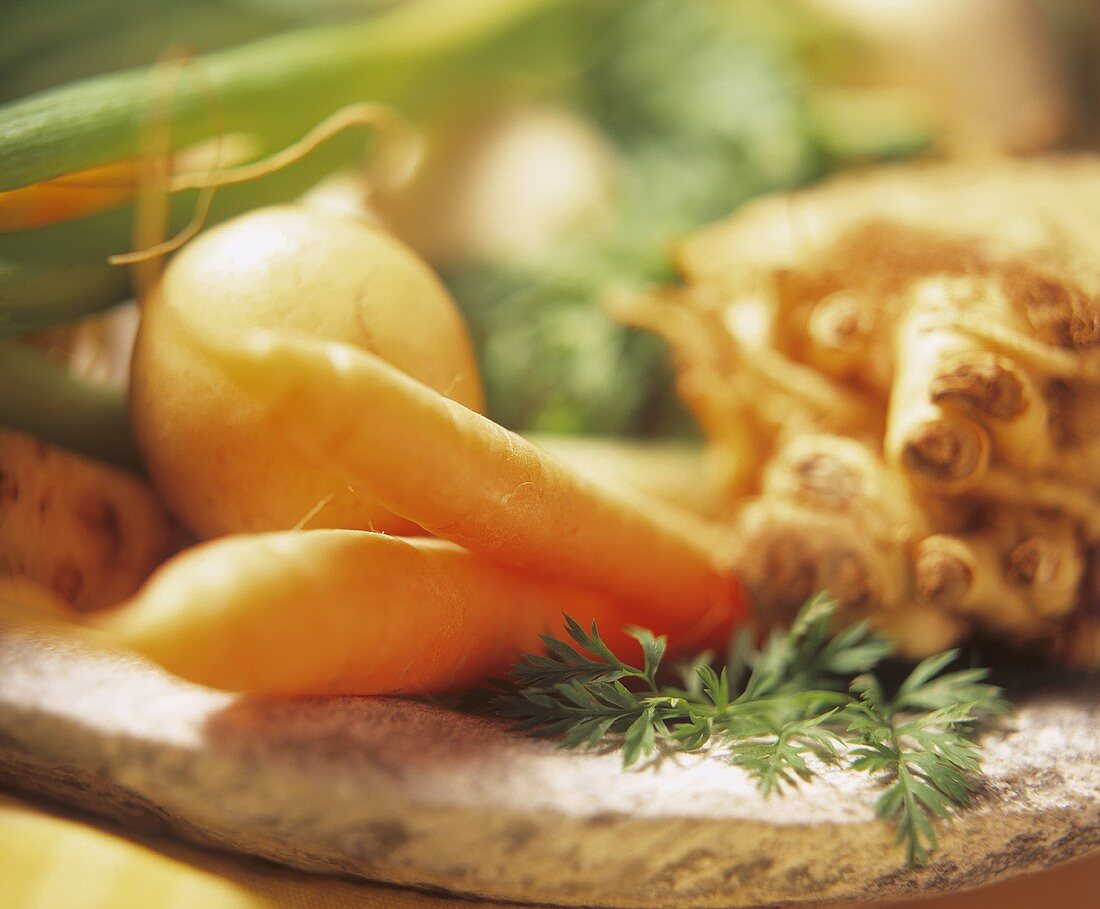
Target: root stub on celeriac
955, 311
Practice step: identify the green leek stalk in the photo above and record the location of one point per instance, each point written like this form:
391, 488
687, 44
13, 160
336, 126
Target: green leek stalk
421, 56
42, 398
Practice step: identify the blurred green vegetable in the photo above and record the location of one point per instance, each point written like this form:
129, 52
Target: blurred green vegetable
42, 398
51, 42
709, 103
58, 274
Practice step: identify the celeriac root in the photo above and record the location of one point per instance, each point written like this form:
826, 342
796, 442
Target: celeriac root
1012, 578
945, 320
841, 333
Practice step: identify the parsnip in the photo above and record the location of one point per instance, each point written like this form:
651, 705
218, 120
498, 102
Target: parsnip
965, 577
1006, 399
831, 516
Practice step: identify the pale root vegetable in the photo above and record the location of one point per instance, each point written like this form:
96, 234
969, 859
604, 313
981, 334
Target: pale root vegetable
712, 338
785, 553
504, 185
89, 532
507, 184
1081, 647
739, 437
1011, 97
964, 576
345, 612
312, 274
1015, 572
838, 475
918, 632
1047, 568
1004, 397
841, 332
956, 406
746, 395
1073, 414
466, 479
945, 571
1003, 488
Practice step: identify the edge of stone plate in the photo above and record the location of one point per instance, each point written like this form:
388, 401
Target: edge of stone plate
411, 794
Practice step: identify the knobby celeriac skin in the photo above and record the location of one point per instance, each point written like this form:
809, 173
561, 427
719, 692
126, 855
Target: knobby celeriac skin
916, 350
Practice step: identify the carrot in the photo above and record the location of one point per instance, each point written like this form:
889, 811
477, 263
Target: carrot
65, 198
94, 189
671, 470
345, 611
466, 479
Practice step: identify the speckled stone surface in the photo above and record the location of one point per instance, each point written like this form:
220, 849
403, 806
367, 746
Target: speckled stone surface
417, 795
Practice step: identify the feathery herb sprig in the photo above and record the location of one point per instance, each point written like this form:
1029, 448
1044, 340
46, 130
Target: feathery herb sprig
805, 694
922, 740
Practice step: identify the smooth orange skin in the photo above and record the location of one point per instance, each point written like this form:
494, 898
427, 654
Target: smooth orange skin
468, 480
206, 443
75, 195
345, 612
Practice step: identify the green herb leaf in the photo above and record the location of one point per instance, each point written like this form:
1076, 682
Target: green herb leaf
922, 741
808, 695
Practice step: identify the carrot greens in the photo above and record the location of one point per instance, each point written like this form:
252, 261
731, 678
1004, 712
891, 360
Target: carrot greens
806, 695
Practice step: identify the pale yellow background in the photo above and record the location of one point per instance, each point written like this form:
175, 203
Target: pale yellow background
52, 860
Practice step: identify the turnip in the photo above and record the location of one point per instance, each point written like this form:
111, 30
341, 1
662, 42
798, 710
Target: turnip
302, 272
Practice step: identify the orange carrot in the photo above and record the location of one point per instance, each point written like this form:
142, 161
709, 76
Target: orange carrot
65, 198
466, 479
95, 189
345, 611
